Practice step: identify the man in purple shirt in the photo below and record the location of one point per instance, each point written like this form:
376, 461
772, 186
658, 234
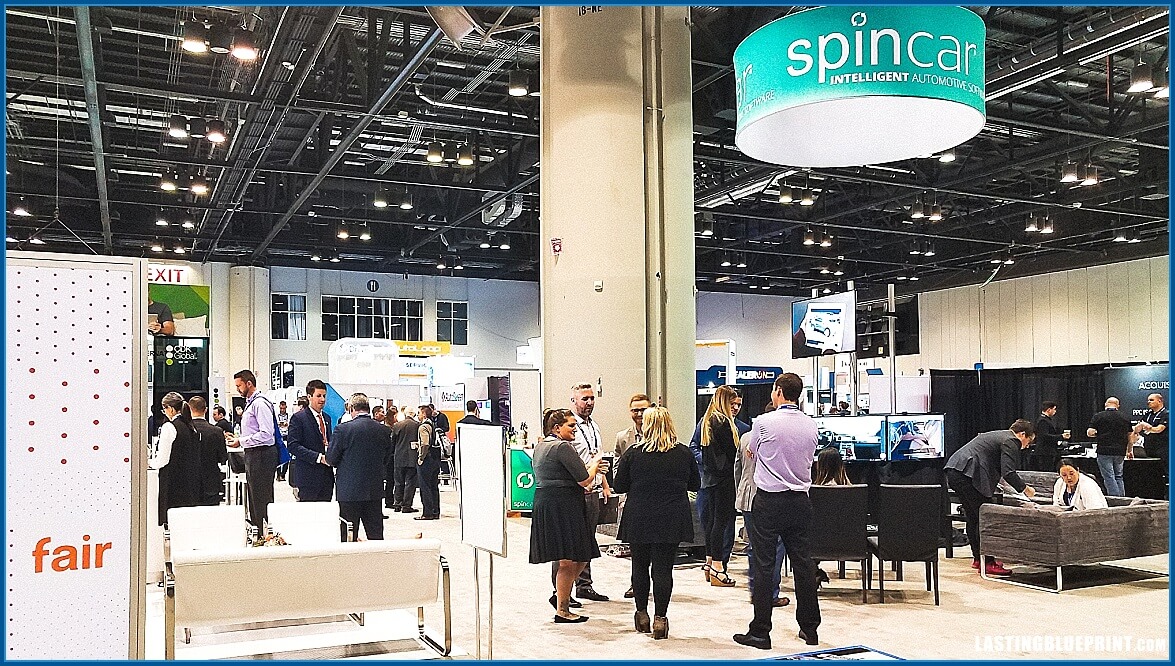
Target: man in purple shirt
783, 441
261, 454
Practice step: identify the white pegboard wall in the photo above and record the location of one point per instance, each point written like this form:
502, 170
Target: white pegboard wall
71, 336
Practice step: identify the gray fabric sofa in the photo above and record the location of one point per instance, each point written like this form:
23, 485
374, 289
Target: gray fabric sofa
1051, 539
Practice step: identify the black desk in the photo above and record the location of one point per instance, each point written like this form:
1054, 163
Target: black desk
1143, 477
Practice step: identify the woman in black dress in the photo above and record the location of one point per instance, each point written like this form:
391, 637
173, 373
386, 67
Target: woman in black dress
178, 457
719, 438
558, 526
656, 472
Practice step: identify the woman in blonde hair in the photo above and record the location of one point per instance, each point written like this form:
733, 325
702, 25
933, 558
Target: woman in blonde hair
719, 450
657, 473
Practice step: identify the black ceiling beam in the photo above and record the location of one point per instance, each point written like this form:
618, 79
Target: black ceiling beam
406, 71
85, 35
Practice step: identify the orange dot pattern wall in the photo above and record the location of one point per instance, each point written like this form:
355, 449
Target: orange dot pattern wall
70, 336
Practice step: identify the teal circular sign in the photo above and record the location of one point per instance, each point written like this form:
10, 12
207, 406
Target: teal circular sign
845, 86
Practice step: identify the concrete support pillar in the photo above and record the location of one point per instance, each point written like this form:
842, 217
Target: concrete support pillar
617, 191
248, 322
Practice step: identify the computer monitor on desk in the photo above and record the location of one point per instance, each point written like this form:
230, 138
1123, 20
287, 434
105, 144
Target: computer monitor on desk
857, 437
914, 437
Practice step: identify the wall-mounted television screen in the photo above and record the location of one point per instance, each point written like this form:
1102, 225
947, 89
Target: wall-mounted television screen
915, 436
857, 437
824, 325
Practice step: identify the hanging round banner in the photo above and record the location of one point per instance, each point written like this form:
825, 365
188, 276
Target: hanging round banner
845, 86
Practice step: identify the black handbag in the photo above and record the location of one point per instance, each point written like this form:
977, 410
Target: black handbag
609, 510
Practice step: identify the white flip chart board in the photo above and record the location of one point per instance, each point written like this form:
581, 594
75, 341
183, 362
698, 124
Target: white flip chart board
481, 486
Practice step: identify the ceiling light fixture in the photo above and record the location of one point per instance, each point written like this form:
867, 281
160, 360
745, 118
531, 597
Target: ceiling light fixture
458, 265
197, 128
161, 221
1090, 176
177, 127
1009, 260
826, 240
1069, 172
1032, 225
725, 260
380, 199
334, 259
343, 233
916, 208
156, 246
809, 237
1134, 237
948, 156
825, 270
485, 244
707, 225
1046, 225
465, 155
785, 195
244, 46
188, 224
216, 132
838, 271
742, 261
449, 153
914, 278
1119, 237
406, 201
195, 37
179, 249
505, 243
21, 209
519, 83
220, 38
167, 182
929, 252
199, 185
315, 257
806, 197
827, 290
364, 233
435, 152
935, 213
1141, 78
441, 263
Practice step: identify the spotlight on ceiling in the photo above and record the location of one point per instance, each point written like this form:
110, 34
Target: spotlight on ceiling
449, 153
935, 213
167, 182
1119, 237
519, 83
216, 132
195, 37
809, 237
156, 246
1046, 225
179, 249
1069, 172
1141, 78
441, 263
334, 259
806, 197
161, 221
465, 155
197, 128
505, 244
826, 241
436, 153
364, 233
742, 261
21, 209
785, 195
188, 224
725, 260
199, 185
380, 200
458, 265
406, 201
244, 45
948, 156
220, 38
315, 257
343, 233
916, 209
1090, 176
177, 127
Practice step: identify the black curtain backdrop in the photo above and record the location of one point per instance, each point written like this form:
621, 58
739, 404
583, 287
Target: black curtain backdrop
978, 401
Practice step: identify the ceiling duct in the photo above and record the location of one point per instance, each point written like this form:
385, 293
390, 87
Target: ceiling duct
503, 212
455, 22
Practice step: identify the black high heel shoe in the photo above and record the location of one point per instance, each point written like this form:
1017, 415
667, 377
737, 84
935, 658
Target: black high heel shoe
559, 619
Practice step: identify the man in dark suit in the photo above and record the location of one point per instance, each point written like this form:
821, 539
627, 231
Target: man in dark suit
1045, 455
359, 453
471, 417
213, 452
309, 441
975, 470
405, 438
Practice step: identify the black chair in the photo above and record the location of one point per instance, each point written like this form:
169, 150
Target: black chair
909, 523
839, 518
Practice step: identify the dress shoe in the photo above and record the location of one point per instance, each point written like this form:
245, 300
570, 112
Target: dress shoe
628, 594
660, 627
780, 602
975, 564
640, 620
750, 640
559, 619
427, 518
996, 569
809, 637
590, 594
392, 507
571, 604
408, 509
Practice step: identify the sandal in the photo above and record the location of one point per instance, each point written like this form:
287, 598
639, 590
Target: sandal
720, 578
706, 569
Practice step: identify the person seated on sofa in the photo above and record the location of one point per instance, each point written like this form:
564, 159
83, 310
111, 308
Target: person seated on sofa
1076, 490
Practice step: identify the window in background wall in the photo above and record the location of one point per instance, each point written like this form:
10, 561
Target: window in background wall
453, 322
357, 317
288, 316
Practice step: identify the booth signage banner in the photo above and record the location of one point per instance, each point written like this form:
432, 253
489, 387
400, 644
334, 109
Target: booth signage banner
1133, 383
451, 398
849, 86
747, 374
522, 481
423, 348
